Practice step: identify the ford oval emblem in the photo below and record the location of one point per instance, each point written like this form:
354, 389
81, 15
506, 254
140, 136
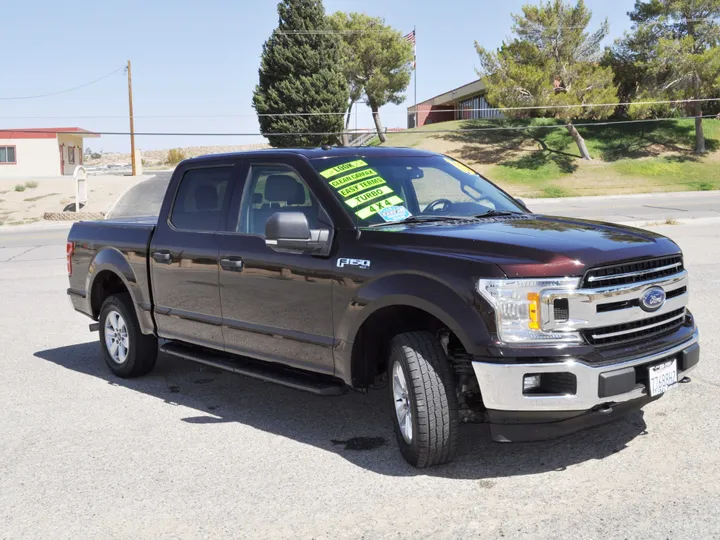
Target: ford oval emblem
652, 299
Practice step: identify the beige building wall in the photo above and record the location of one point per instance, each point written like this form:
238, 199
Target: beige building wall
72, 148
35, 158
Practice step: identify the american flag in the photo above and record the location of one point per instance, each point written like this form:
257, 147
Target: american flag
411, 38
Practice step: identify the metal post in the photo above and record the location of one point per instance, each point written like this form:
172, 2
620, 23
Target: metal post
132, 120
415, 75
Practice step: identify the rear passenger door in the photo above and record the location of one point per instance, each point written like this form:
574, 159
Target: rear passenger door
276, 306
184, 251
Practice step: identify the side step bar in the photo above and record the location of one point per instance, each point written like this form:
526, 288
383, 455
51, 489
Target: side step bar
292, 378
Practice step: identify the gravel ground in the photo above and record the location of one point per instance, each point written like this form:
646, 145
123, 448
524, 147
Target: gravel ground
189, 452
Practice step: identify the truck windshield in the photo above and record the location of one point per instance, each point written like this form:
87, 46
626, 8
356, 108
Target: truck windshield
380, 190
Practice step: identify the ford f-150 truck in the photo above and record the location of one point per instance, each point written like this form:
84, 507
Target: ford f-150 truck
329, 268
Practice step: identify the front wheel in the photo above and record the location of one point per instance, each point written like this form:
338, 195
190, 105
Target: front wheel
127, 351
422, 390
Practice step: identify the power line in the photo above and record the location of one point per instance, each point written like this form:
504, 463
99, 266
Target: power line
327, 133
247, 115
67, 90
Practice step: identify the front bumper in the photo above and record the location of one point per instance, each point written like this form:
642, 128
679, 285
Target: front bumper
599, 387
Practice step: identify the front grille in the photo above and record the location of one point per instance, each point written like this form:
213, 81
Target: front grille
644, 329
632, 272
614, 306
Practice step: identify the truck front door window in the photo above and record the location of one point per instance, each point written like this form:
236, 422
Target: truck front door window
272, 189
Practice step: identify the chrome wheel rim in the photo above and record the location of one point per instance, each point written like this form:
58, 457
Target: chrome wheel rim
117, 341
401, 397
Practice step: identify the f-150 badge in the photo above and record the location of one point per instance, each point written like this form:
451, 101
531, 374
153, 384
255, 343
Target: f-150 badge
360, 263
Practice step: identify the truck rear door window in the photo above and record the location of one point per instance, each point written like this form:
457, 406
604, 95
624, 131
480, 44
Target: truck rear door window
201, 198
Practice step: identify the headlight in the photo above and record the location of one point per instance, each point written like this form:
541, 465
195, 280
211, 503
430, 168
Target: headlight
517, 304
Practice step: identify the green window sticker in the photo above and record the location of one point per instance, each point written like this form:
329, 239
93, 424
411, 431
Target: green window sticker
329, 173
368, 196
376, 207
361, 186
354, 177
460, 166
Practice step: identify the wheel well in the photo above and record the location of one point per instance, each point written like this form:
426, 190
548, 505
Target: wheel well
106, 284
372, 344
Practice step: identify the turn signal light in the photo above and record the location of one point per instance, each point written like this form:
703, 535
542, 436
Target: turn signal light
534, 311
69, 250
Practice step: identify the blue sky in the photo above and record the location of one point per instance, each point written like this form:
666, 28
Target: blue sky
201, 58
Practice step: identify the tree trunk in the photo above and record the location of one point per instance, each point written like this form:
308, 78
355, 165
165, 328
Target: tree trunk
378, 123
699, 133
575, 134
348, 116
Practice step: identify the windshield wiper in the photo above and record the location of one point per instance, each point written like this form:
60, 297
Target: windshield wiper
496, 213
423, 219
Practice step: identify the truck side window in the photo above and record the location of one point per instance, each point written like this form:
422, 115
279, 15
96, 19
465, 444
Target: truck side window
271, 189
200, 199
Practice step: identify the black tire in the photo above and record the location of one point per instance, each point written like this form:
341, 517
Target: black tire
141, 351
431, 399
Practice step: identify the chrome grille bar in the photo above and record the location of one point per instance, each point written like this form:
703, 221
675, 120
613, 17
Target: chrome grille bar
639, 328
633, 274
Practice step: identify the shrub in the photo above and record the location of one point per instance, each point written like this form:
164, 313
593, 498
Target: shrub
95, 155
19, 187
175, 156
32, 184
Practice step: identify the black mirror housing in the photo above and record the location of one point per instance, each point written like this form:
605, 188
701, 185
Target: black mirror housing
290, 232
522, 203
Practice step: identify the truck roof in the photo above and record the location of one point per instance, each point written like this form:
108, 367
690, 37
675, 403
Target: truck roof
328, 152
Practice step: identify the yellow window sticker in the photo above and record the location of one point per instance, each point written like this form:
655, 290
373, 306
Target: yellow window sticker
354, 177
376, 207
460, 166
368, 196
329, 173
361, 186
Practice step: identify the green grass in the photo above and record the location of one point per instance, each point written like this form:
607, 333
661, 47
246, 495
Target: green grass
19, 187
32, 184
626, 157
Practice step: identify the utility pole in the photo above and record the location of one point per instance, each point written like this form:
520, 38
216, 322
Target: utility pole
132, 120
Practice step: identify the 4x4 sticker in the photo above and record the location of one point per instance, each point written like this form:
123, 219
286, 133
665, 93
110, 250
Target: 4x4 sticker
361, 186
368, 196
329, 173
376, 207
360, 263
347, 179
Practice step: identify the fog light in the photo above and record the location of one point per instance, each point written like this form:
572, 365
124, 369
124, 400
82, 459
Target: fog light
531, 382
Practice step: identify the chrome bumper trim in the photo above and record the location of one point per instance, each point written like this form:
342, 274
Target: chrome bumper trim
501, 385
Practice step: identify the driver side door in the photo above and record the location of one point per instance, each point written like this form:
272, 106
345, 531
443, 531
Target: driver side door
276, 306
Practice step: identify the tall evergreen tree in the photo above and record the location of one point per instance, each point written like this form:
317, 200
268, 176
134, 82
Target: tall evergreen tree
552, 61
673, 53
300, 72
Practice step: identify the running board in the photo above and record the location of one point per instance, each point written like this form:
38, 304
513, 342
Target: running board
291, 378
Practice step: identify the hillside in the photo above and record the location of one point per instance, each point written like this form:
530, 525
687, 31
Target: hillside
544, 161
158, 158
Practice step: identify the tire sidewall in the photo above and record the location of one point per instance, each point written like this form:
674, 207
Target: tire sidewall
115, 304
410, 451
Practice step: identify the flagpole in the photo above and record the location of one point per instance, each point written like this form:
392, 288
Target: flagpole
415, 74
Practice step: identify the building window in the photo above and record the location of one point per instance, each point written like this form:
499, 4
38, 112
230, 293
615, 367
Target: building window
71, 155
7, 154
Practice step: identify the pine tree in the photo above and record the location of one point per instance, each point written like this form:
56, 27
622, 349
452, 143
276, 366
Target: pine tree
552, 61
301, 71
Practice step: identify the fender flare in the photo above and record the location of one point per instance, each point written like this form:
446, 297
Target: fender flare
112, 260
420, 291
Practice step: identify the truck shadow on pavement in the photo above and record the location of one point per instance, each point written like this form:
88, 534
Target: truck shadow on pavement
355, 426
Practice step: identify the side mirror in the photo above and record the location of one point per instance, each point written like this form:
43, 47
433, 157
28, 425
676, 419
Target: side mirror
522, 203
290, 232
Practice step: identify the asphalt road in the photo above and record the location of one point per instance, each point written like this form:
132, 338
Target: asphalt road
192, 452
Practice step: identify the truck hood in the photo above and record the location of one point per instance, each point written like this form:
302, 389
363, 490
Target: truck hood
534, 245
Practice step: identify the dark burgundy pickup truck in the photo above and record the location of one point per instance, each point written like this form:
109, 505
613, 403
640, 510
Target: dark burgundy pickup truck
329, 269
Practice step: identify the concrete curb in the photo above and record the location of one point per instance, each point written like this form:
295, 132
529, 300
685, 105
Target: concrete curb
593, 198
661, 223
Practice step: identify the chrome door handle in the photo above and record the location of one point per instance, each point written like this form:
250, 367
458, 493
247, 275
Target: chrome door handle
162, 257
233, 265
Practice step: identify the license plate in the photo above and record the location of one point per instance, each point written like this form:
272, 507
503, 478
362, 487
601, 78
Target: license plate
662, 377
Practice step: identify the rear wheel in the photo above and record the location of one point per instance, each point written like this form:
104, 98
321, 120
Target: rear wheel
127, 351
424, 401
